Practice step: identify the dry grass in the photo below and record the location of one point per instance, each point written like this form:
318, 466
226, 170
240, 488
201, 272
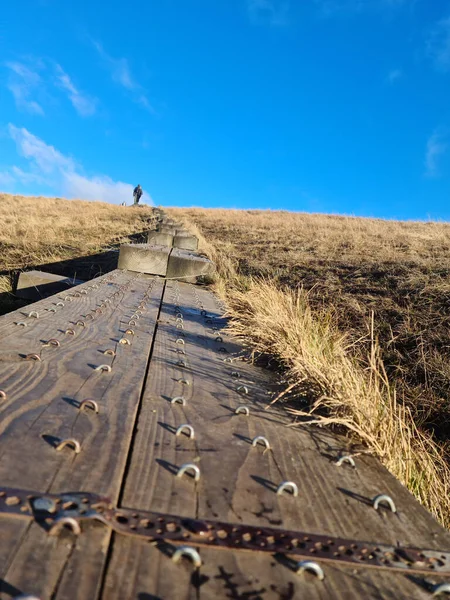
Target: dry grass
41, 230
314, 275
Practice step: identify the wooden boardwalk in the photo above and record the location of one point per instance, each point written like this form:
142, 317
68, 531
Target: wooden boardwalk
159, 340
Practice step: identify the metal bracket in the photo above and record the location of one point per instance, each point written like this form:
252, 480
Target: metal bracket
54, 510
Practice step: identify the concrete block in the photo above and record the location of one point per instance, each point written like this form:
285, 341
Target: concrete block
34, 285
185, 242
160, 238
166, 229
144, 258
188, 266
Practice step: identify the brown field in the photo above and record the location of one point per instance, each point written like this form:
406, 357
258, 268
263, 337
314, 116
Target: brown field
357, 312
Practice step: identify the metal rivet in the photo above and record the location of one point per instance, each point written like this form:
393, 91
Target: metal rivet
2, 394
109, 352
189, 467
21, 323
308, 565
188, 552
34, 314
346, 459
103, 368
69, 442
386, 500
243, 388
32, 357
178, 400
65, 522
88, 402
287, 485
124, 341
441, 588
242, 409
262, 439
185, 427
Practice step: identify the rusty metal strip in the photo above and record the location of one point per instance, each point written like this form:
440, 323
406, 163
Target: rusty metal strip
56, 510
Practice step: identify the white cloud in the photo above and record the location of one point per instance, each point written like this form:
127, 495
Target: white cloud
438, 45
121, 74
50, 167
436, 147
272, 12
394, 75
83, 104
23, 82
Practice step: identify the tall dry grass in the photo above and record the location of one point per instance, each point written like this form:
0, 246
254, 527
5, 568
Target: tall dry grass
335, 386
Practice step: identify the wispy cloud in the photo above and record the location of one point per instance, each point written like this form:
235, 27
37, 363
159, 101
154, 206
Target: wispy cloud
48, 166
271, 12
436, 146
83, 104
438, 45
23, 82
37, 78
394, 75
121, 74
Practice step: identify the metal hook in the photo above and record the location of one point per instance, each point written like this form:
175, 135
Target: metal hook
59, 304
219, 338
262, 439
35, 357
346, 459
65, 522
188, 552
385, 499
312, 567
81, 323
21, 323
287, 485
178, 400
129, 332
441, 588
124, 341
132, 323
34, 314
70, 332
185, 381
242, 409
228, 359
52, 342
185, 427
2, 395
51, 309
92, 403
180, 341
181, 363
69, 442
243, 388
103, 368
109, 352
189, 467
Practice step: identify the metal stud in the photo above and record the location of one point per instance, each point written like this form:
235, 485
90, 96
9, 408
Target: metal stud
346, 459
69, 442
109, 352
312, 567
185, 427
242, 409
65, 522
262, 439
88, 402
103, 368
189, 467
287, 485
188, 552
34, 314
178, 400
386, 500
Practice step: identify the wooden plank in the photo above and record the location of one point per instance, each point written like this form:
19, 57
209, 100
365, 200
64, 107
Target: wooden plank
47, 404
238, 482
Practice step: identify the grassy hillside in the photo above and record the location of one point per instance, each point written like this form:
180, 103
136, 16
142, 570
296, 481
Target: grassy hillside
36, 231
357, 312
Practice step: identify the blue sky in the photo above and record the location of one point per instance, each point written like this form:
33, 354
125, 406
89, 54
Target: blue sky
337, 106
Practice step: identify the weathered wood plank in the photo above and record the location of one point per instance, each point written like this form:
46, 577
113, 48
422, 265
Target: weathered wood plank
48, 405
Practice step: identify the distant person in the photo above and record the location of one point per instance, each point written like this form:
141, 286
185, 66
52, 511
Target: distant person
137, 193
